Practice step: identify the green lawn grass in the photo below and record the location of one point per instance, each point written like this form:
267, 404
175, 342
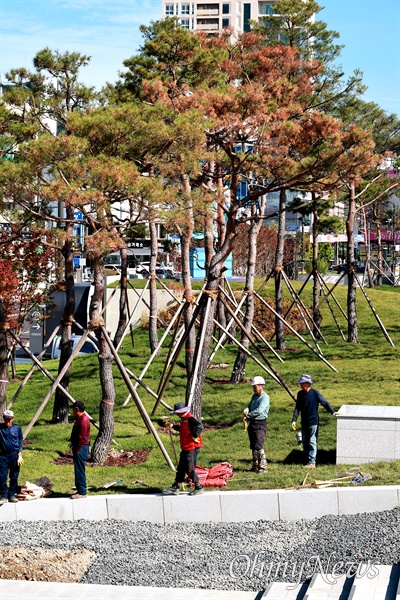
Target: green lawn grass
368, 373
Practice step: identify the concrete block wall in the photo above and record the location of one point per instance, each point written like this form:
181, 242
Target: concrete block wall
368, 434
217, 507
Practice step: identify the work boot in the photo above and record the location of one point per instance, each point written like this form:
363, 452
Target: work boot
197, 490
262, 461
172, 491
310, 466
13, 499
254, 466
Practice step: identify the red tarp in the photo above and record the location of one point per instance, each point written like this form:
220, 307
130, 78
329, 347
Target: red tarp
216, 476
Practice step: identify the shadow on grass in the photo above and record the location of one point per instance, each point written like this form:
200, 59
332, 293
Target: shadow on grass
324, 457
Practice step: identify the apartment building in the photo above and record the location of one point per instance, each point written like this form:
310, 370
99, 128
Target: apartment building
212, 17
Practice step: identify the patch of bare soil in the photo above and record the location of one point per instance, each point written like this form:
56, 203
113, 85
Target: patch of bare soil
41, 564
219, 426
115, 458
246, 380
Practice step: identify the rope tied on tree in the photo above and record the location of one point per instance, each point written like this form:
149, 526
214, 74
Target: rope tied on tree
190, 298
107, 402
96, 323
278, 268
5, 326
152, 276
214, 294
69, 321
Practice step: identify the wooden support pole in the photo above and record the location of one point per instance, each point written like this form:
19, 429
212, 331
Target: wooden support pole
176, 315
335, 285
331, 309
381, 325
167, 361
256, 331
330, 293
300, 307
247, 351
199, 353
147, 305
136, 398
264, 283
54, 386
132, 315
224, 335
176, 356
181, 331
42, 353
293, 303
33, 367
296, 333
252, 341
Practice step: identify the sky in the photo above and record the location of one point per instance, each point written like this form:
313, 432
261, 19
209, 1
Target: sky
108, 31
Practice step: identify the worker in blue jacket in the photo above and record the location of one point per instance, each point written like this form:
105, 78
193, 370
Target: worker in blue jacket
307, 403
11, 443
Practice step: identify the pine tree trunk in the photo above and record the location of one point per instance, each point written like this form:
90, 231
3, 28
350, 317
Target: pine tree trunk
206, 326
61, 403
352, 331
188, 311
239, 368
3, 361
123, 298
379, 277
153, 336
317, 317
279, 329
12, 362
106, 412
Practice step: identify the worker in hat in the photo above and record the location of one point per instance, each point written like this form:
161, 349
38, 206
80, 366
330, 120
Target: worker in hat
307, 402
11, 443
190, 440
255, 417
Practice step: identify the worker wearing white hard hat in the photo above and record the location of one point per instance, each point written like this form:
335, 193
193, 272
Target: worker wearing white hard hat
255, 417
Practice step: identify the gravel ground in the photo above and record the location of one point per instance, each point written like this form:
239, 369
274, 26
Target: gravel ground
245, 556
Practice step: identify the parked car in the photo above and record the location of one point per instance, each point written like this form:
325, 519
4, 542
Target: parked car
89, 347
343, 267
167, 273
116, 270
111, 270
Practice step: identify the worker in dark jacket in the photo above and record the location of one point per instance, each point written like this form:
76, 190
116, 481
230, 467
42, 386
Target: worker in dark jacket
80, 440
190, 440
307, 403
11, 443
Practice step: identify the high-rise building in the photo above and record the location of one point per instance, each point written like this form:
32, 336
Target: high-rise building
212, 17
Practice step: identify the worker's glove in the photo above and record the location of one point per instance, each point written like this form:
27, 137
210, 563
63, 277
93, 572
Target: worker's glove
169, 426
246, 412
196, 440
337, 414
294, 425
20, 461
